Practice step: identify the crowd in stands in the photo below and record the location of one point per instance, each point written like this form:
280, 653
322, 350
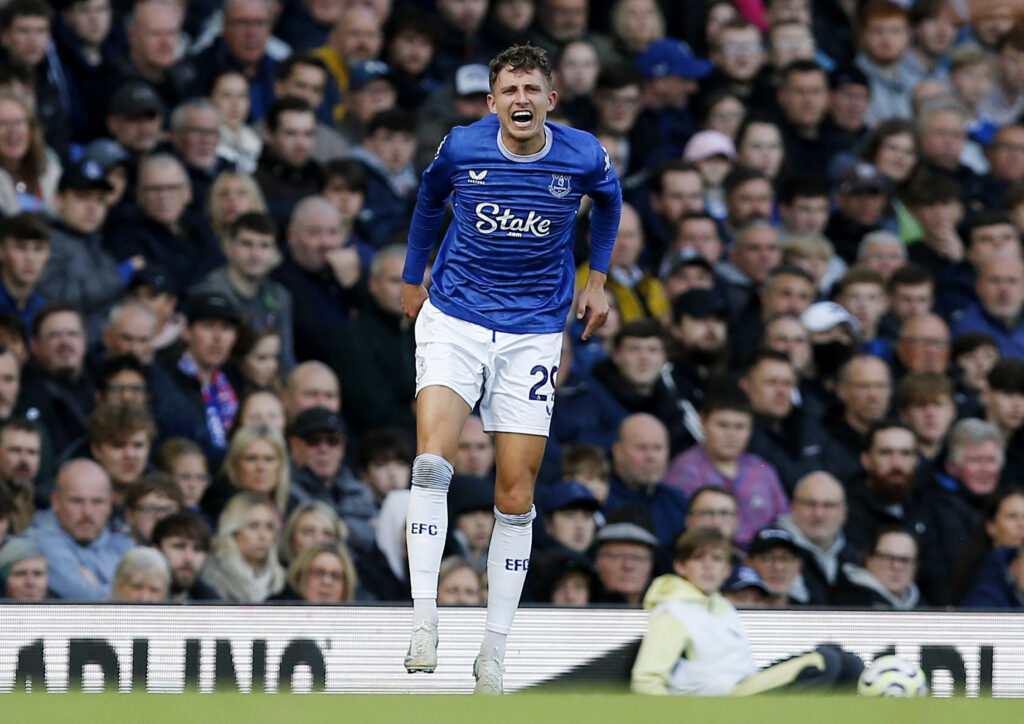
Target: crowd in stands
816, 337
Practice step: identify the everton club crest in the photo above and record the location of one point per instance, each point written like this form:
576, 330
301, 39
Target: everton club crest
560, 185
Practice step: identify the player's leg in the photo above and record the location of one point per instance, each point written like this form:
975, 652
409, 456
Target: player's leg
518, 458
440, 415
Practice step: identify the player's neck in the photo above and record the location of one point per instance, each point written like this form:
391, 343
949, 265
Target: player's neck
524, 148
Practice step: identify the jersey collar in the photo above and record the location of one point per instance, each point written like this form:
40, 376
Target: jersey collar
533, 156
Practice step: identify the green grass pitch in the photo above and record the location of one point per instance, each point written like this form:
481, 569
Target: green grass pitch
527, 708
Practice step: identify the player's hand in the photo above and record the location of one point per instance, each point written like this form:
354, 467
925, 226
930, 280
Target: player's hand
413, 296
593, 306
344, 263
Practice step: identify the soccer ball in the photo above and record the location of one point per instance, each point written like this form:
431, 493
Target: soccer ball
892, 676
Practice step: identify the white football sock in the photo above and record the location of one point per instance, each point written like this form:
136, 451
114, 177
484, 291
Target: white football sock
426, 528
508, 559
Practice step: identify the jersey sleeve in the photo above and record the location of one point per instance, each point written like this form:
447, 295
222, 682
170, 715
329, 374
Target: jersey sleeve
435, 187
662, 647
606, 192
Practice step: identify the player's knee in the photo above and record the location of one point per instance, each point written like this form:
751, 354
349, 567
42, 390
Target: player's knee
431, 471
513, 501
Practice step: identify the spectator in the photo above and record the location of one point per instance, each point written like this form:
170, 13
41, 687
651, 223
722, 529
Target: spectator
699, 231
317, 440
323, 573
309, 524
787, 436
257, 358
1003, 527
20, 446
384, 461
849, 101
25, 35
321, 272
862, 292
308, 23
129, 332
164, 231
23, 573
884, 40
1005, 100
251, 250
152, 288
739, 58
721, 459
243, 565
816, 519
81, 552
371, 91
910, 292
154, 55
80, 271
924, 401
1001, 298
1004, 407
863, 196
803, 98
684, 269
286, 171
372, 353
24, 252
933, 27
232, 194
184, 461
86, 49
775, 556
195, 135
459, 583
311, 384
356, 37
975, 460
256, 461
150, 500
624, 560
135, 116
197, 399
632, 377
123, 379
640, 458
864, 391
700, 348
410, 41
242, 46
889, 493
568, 508
562, 577
788, 289
887, 578
184, 540
973, 355
305, 76
883, 252
638, 293
589, 465
756, 250
120, 437
759, 145
142, 576
55, 384
676, 188
239, 143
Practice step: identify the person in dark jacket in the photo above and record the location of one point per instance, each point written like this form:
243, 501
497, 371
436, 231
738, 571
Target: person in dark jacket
163, 231
85, 46
184, 540
194, 397
286, 171
373, 353
891, 493
887, 578
1000, 581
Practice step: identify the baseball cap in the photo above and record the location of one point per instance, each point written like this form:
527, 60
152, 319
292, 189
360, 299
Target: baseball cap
699, 304
317, 419
151, 275
210, 305
86, 175
823, 316
862, 177
625, 533
567, 494
471, 79
672, 57
769, 538
678, 258
365, 71
708, 144
850, 75
745, 577
136, 100
106, 152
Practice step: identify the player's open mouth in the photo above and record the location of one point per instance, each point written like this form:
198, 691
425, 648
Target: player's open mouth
522, 119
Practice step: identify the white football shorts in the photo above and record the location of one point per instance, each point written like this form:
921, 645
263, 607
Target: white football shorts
511, 375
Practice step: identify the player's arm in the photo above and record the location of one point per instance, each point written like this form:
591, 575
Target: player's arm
663, 645
593, 304
435, 187
606, 192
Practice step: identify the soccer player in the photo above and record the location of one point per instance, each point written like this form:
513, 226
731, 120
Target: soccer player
491, 329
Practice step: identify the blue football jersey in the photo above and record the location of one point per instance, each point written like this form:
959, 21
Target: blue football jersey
506, 262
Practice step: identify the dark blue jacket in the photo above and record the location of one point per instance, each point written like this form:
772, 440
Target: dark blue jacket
976, 319
995, 588
666, 505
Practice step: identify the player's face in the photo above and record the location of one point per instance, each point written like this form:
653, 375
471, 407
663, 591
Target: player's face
521, 99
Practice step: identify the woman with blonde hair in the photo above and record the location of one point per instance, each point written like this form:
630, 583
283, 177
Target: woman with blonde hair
29, 170
323, 573
257, 461
243, 565
232, 194
310, 523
